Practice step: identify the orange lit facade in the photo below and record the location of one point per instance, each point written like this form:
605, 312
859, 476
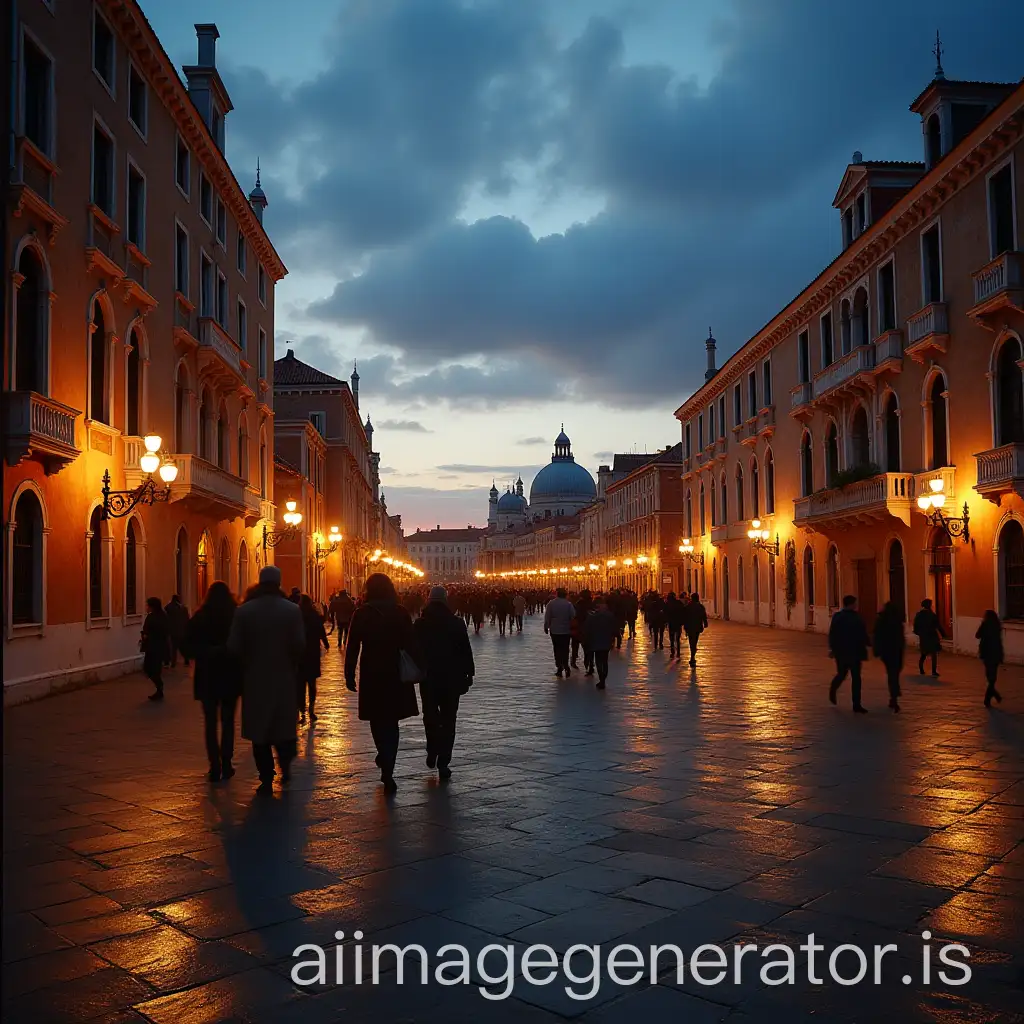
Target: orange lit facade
896, 372
139, 299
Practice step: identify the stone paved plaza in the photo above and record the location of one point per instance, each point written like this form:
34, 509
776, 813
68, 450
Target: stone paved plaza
729, 804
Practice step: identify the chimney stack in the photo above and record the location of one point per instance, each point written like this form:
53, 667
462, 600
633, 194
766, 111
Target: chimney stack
710, 346
207, 36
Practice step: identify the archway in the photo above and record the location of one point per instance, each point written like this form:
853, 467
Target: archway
940, 567
1011, 570
204, 555
897, 577
860, 439
27, 583
725, 588
831, 453
1009, 393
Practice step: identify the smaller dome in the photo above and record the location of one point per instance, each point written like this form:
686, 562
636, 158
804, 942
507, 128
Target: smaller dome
510, 502
494, 491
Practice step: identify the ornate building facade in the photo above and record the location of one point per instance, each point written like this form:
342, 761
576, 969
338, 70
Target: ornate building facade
139, 288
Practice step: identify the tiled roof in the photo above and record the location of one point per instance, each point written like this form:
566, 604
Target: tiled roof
445, 536
627, 463
292, 372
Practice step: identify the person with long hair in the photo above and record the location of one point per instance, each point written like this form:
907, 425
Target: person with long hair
217, 680
309, 665
155, 645
380, 632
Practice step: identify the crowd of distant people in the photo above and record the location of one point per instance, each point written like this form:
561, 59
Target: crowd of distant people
267, 651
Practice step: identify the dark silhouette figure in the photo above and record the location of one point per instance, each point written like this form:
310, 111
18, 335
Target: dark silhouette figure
695, 621
177, 627
341, 611
584, 606
558, 616
599, 633
675, 615
848, 642
309, 664
655, 613
381, 630
155, 645
448, 674
889, 644
929, 631
217, 679
990, 650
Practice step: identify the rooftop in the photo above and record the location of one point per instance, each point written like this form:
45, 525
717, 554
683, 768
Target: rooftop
469, 533
291, 372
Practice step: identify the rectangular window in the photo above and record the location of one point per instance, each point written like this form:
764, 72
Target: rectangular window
721, 416
103, 50
37, 97
137, 100
688, 438
261, 285
712, 434
182, 165
261, 357
205, 199
103, 170
766, 383
181, 259
319, 421
700, 431
737, 406
931, 265
242, 325
222, 299
240, 252
1000, 210
887, 297
828, 352
222, 223
136, 220
752, 393
205, 286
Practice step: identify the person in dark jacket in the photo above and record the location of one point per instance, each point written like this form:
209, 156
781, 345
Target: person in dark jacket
155, 645
675, 615
848, 642
381, 630
448, 674
655, 615
990, 650
341, 610
177, 627
309, 663
584, 606
929, 630
695, 621
599, 633
889, 643
217, 679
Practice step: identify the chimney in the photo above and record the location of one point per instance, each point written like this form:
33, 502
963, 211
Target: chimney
207, 36
205, 88
710, 346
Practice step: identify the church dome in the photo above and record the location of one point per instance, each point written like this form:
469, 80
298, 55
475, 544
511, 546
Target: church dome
510, 502
562, 480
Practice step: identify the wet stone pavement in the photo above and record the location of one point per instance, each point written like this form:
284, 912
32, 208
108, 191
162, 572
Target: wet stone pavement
731, 804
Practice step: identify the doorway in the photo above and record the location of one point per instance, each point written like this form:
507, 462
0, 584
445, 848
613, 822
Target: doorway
771, 591
725, 589
867, 589
941, 569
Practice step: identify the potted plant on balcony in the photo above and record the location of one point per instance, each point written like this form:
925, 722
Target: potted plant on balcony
854, 475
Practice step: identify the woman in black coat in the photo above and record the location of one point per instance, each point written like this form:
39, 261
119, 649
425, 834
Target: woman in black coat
990, 650
309, 664
155, 645
380, 630
889, 644
217, 680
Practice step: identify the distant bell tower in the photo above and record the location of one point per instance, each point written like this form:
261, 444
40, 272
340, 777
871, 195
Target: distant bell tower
355, 383
257, 197
710, 345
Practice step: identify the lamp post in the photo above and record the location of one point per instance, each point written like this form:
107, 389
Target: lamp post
931, 505
759, 539
119, 503
688, 552
271, 538
321, 554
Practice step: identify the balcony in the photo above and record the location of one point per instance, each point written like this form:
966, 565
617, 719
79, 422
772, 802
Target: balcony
32, 186
135, 286
101, 244
220, 358
928, 331
889, 352
719, 534
1000, 471
999, 286
800, 400
720, 449
37, 427
746, 432
212, 490
766, 421
852, 372
865, 501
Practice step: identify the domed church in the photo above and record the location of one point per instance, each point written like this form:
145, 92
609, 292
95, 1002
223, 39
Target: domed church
561, 488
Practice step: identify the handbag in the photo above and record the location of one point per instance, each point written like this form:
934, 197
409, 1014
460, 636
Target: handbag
408, 670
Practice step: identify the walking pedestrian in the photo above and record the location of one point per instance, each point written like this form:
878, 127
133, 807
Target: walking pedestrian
558, 617
599, 631
448, 674
584, 606
380, 632
177, 628
675, 615
267, 638
848, 642
695, 621
990, 650
518, 609
217, 679
342, 608
155, 645
929, 631
889, 644
655, 615
309, 664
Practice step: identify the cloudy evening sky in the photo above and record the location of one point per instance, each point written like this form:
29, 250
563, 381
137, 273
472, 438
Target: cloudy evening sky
519, 212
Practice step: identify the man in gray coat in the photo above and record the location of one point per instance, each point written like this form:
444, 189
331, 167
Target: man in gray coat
268, 638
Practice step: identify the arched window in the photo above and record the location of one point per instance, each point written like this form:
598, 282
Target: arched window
1011, 555
27, 561
739, 493
809, 575
98, 368
703, 518
223, 444
243, 569
1009, 394
725, 501
755, 490
860, 439
181, 393
224, 562
806, 465
938, 430
242, 468
32, 329
714, 504
689, 513
205, 415
845, 329
861, 319
832, 577
204, 556
769, 482
714, 583
131, 568
892, 434
133, 397
897, 577
831, 454
181, 565
97, 529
